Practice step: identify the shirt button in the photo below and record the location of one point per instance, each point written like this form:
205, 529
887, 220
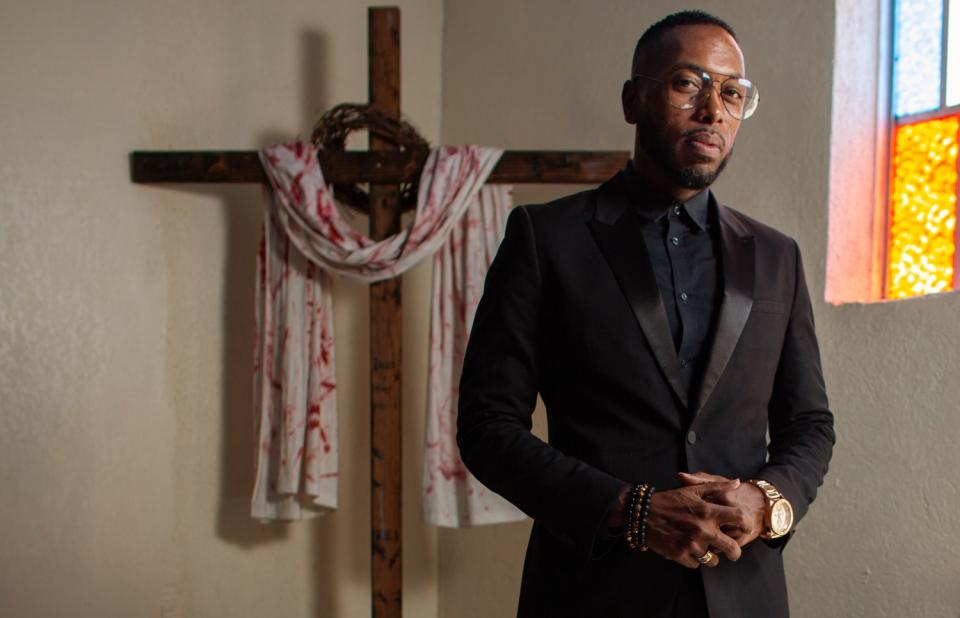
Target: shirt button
683, 363
676, 210
675, 240
691, 437
683, 297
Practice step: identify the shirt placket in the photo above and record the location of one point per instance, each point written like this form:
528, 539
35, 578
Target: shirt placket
678, 252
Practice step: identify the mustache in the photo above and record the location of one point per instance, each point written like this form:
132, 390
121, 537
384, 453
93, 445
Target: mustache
713, 136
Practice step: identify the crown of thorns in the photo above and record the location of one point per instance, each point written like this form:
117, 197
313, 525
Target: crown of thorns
330, 134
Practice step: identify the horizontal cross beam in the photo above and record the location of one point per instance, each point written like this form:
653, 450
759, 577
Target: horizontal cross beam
383, 167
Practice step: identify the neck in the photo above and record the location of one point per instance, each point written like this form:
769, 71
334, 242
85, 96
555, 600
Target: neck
656, 178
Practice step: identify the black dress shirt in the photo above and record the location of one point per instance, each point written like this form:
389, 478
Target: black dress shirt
682, 242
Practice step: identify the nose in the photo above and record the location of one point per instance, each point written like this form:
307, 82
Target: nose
710, 110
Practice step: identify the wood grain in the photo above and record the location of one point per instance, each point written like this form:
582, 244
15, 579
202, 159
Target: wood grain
385, 335
383, 166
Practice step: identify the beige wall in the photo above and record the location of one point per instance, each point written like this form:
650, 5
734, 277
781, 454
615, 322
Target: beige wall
880, 540
126, 311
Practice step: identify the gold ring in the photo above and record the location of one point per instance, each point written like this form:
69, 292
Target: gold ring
707, 558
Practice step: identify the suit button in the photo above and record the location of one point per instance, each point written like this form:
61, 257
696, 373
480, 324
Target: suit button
691, 437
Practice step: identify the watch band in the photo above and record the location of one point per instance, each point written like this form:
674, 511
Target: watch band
767, 488
773, 499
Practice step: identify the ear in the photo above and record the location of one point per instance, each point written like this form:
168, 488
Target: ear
628, 98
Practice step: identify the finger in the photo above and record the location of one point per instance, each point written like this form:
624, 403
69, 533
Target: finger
689, 561
692, 479
726, 546
721, 498
713, 562
714, 489
724, 515
701, 477
717, 486
707, 558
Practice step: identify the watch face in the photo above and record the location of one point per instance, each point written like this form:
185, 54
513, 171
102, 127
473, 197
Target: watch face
781, 518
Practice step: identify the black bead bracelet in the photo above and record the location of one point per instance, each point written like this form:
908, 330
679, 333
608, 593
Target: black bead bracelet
644, 511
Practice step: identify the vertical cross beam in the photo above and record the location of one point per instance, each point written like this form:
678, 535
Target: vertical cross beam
385, 425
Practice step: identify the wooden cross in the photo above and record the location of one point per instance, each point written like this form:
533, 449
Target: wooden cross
384, 167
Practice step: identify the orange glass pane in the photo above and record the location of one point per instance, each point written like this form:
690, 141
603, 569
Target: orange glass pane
923, 208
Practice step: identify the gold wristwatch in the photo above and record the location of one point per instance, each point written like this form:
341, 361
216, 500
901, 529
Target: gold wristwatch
778, 516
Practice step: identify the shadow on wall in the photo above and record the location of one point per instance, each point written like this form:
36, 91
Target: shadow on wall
243, 224
331, 564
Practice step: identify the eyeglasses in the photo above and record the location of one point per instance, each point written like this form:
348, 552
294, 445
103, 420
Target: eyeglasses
688, 89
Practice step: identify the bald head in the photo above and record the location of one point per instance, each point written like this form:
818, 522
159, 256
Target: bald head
649, 46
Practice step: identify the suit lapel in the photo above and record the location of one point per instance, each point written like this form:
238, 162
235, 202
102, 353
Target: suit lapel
621, 240
737, 258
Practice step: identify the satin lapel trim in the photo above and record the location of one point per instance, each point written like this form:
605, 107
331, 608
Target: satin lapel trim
737, 251
621, 241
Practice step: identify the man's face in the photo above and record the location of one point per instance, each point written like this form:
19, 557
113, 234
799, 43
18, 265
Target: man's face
690, 147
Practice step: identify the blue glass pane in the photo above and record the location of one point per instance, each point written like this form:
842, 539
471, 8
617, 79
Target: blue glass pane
917, 45
953, 54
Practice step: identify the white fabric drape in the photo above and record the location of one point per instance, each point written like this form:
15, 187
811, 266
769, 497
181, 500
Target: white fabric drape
304, 240
452, 496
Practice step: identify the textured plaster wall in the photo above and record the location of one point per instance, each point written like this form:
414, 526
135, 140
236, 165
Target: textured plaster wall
880, 540
126, 311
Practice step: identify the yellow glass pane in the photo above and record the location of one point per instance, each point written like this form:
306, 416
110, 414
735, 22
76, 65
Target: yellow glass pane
923, 208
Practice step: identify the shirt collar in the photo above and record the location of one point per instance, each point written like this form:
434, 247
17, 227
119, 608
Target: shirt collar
652, 205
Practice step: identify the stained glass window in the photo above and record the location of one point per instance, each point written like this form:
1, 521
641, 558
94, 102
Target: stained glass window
922, 214
917, 45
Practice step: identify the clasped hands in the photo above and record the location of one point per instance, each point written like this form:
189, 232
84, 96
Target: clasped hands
708, 513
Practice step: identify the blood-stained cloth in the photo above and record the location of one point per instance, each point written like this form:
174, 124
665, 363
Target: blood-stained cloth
458, 221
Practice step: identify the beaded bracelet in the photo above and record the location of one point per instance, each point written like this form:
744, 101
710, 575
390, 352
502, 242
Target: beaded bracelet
644, 511
631, 505
628, 529
636, 518
634, 515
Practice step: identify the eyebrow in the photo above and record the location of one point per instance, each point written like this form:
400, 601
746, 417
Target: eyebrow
697, 67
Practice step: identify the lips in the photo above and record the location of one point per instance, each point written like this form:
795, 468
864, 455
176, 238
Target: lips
705, 142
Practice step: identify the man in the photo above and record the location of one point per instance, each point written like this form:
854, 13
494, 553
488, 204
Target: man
666, 333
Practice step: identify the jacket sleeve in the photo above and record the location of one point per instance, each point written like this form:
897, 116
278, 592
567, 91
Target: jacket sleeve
498, 393
800, 421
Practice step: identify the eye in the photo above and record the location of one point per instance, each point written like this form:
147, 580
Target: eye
685, 83
733, 94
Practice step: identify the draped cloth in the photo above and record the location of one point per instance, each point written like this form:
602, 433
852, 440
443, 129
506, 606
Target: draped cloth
305, 240
452, 496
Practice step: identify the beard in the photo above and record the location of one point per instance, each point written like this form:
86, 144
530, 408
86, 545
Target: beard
689, 176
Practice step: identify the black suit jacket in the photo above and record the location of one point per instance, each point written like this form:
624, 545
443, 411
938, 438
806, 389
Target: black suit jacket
571, 310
